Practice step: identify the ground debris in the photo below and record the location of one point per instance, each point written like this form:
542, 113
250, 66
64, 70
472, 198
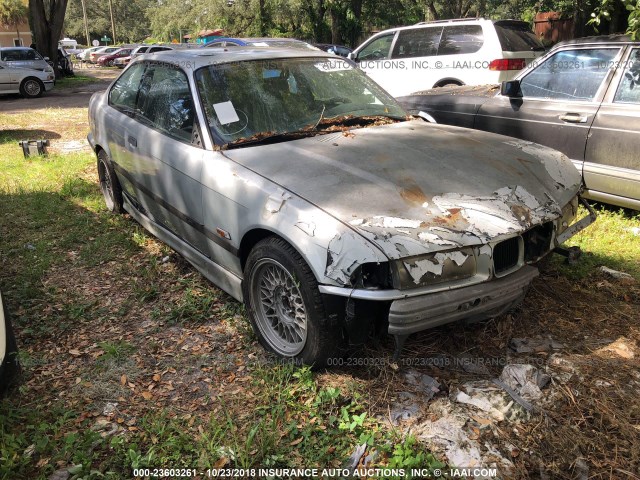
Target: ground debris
526, 380
534, 345
623, 277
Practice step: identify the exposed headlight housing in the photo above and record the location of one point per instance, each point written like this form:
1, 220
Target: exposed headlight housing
435, 268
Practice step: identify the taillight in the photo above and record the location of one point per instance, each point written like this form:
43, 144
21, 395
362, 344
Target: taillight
501, 64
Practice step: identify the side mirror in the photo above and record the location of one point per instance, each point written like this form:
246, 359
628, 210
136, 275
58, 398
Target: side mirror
351, 56
511, 88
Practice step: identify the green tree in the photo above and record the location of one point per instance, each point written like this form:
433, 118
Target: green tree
605, 10
13, 13
130, 17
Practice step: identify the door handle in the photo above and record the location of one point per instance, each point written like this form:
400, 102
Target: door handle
133, 141
574, 118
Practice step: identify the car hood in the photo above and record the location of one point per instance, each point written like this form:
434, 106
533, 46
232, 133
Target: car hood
466, 99
413, 188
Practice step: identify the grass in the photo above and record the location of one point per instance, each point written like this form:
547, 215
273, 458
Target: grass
610, 241
76, 80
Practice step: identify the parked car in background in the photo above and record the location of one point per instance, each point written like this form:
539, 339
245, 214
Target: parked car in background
142, 49
109, 59
297, 184
447, 52
9, 366
122, 62
28, 82
24, 57
340, 50
95, 55
261, 42
582, 98
84, 55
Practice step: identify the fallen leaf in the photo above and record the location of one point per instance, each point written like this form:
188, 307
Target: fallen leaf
75, 353
147, 395
296, 442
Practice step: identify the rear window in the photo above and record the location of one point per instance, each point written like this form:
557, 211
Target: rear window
517, 37
461, 39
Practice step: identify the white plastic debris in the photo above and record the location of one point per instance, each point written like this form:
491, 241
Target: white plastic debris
525, 380
616, 274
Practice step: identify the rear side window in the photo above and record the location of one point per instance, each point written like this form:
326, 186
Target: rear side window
158, 49
124, 93
461, 39
629, 89
517, 37
417, 42
570, 75
378, 49
165, 102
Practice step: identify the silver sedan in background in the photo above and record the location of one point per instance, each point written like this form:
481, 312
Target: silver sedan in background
299, 186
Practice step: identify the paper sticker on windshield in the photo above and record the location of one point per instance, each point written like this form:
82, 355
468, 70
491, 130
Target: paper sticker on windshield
260, 44
226, 112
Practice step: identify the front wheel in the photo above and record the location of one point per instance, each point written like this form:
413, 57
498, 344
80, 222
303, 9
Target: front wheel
285, 307
109, 184
31, 88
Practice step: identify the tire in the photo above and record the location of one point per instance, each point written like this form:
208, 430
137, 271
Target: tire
31, 87
109, 184
110, 63
449, 83
277, 282
9, 368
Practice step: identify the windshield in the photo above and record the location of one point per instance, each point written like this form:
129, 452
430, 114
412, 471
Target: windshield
280, 96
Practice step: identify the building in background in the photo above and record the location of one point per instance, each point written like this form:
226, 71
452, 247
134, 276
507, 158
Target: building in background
10, 36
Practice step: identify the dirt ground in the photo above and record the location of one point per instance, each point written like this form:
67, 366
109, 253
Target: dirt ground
584, 337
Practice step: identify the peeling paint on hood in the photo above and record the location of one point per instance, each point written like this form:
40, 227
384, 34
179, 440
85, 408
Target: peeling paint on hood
557, 164
507, 210
413, 188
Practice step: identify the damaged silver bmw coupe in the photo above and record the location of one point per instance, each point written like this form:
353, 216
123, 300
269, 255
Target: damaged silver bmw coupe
297, 185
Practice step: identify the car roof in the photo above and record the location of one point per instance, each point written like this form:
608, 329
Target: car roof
219, 55
612, 39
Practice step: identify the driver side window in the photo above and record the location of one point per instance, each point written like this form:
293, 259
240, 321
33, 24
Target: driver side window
378, 49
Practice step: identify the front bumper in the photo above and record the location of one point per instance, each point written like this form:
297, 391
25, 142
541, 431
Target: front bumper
477, 302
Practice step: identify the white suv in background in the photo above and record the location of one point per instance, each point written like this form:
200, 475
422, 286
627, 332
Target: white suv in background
448, 52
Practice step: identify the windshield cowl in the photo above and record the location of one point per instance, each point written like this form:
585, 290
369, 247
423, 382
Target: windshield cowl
342, 124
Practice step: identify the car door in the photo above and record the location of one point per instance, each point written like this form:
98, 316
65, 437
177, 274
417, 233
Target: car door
374, 60
612, 157
164, 155
6, 83
560, 98
417, 48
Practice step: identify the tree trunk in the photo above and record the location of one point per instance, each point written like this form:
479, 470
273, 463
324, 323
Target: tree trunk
262, 12
47, 27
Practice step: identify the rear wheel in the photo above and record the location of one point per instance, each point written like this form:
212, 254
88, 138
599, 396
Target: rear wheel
31, 87
109, 183
285, 307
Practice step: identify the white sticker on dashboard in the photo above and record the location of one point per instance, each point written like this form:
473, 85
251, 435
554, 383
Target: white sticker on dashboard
226, 113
